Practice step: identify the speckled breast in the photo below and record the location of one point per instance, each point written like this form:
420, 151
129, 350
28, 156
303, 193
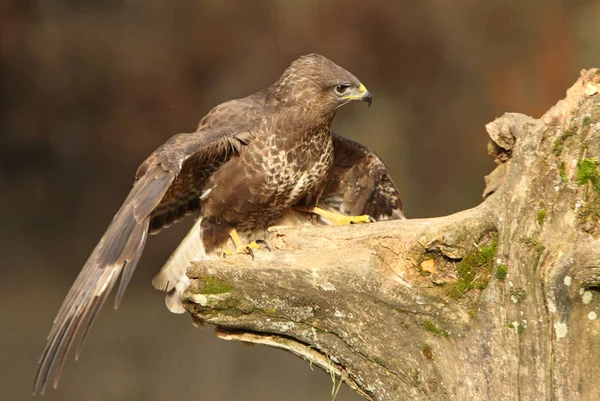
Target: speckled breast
295, 172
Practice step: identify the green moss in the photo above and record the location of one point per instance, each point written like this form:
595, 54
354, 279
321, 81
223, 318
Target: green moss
589, 215
501, 272
270, 311
587, 171
560, 142
429, 326
474, 270
227, 304
457, 289
379, 361
562, 172
214, 285
541, 215
518, 294
587, 120
519, 328
532, 242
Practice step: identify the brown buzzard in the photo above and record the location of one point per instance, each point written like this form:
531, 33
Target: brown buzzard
249, 162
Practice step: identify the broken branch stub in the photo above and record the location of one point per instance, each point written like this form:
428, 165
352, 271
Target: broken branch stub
496, 302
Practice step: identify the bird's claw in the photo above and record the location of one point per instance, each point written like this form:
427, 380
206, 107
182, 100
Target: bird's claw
249, 249
340, 219
265, 243
365, 218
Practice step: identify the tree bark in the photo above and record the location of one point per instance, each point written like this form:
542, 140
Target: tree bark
498, 302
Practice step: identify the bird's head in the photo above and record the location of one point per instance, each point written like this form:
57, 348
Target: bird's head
315, 82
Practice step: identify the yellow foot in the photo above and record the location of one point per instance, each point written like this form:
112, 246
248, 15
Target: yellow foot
341, 219
245, 249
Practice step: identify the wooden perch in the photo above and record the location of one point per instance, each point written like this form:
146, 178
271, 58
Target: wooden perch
497, 302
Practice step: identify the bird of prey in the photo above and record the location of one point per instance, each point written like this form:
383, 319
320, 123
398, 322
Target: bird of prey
249, 162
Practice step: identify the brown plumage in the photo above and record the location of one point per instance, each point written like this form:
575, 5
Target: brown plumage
249, 161
359, 183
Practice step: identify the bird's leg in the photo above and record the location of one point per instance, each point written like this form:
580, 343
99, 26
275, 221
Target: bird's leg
339, 218
245, 249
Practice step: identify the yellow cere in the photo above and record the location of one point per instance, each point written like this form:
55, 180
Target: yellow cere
362, 90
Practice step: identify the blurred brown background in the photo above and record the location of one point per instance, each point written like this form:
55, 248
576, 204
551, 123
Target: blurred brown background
90, 88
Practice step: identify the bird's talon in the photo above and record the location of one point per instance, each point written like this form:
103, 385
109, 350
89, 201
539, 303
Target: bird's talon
372, 219
265, 243
250, 251
358, 219
338, 218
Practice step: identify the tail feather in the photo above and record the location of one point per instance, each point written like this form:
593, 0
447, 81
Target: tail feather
173, 297
172, 277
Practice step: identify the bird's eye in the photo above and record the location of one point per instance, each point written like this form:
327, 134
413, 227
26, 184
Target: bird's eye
341, 88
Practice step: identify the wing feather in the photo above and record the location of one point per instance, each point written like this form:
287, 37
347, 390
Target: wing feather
215, 148
174, 173
360, 183
121, 246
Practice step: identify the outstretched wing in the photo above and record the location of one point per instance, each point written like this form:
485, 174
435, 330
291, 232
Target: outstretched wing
360, 183
168, 185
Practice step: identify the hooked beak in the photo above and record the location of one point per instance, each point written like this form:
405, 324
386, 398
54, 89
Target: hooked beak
363, 95
366, 97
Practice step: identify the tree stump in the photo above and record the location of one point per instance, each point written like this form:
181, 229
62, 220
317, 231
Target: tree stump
499, 302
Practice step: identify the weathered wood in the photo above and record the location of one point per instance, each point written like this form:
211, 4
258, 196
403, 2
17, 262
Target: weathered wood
499, 302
